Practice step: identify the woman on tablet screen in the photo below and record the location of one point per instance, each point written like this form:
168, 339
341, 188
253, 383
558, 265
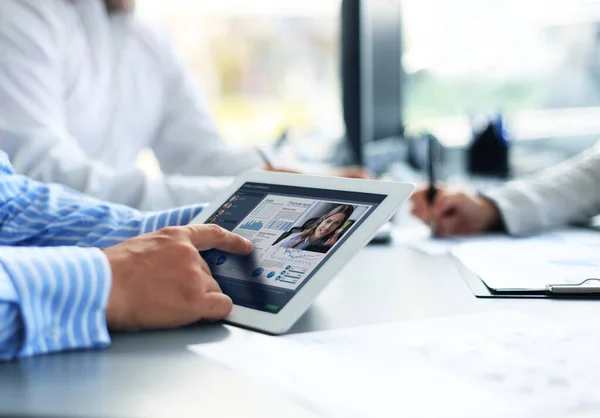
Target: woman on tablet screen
323, 233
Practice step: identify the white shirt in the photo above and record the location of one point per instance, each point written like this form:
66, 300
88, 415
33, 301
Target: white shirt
568, 193
82, 92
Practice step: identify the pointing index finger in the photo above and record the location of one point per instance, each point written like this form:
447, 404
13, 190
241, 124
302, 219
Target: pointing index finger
206, 237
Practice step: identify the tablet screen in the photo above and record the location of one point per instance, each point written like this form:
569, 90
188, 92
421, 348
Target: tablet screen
294, 231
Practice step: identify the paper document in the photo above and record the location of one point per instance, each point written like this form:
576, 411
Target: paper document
529, 264
492, 365
418, 237
441, 246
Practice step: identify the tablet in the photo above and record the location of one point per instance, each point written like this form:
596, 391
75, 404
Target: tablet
304, 230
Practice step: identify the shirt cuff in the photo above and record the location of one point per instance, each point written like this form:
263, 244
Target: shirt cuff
62, 293
518, 209
153, 221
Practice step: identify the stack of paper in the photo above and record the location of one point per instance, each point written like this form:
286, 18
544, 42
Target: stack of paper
489, 365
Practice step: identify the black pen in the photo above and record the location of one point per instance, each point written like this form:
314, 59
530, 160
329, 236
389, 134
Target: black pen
432, 190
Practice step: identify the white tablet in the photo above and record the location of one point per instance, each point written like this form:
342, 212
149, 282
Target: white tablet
304, 229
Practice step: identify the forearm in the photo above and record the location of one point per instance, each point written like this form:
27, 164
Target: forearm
52, 299
142, 223
36, 214
565, 194
59, 159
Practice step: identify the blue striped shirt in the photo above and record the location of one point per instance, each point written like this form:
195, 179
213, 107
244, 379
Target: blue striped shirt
54, 278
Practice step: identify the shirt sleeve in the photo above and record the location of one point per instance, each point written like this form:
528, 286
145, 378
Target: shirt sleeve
188, 141
34, 129
52, 299
36, 214
564, 194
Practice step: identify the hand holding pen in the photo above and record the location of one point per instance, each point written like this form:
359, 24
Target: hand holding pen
454, 212
451, 212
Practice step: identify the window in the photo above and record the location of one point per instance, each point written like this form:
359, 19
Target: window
270, 64
536, 61
264, 65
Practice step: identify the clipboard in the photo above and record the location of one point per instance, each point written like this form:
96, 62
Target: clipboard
582, 290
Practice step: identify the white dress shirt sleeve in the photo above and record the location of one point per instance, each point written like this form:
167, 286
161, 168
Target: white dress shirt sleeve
60, 159
188, 141
568, 193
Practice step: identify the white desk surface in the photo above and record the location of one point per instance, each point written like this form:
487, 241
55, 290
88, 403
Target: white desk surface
153, 374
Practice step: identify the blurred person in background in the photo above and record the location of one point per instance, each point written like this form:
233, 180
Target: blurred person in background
84, 86
568, 193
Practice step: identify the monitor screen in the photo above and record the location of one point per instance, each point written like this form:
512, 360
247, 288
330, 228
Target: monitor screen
372, 72
294, 231
384, 103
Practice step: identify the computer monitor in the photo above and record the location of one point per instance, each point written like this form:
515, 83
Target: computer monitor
372, 73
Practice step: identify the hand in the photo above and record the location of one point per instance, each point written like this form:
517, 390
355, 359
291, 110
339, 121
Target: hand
332, 240
159, 280
455, 212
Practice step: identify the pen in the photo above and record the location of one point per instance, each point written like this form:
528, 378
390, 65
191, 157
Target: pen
263, 155
432, 190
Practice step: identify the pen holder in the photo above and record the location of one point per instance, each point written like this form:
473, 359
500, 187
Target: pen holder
488, 154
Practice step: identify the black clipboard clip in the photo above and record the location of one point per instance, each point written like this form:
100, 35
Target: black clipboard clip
577, 289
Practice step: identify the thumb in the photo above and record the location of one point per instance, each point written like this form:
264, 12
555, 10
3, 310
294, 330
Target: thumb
215, 306
206, 237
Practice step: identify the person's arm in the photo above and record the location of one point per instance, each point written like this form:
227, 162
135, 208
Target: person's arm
65, 298
60, 159
33, 124
52, 299
51, 215
564, 194
188, 141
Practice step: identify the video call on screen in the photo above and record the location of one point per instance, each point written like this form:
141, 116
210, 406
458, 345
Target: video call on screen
293, 229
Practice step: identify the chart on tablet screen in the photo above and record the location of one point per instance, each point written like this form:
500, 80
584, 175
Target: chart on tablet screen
297, 256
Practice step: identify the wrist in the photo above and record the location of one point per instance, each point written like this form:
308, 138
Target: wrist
115, 304
492, 214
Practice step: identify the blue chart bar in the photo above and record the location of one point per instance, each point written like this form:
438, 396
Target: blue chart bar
252, 225
280, 225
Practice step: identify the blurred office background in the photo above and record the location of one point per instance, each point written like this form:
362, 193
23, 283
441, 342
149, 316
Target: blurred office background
267, 65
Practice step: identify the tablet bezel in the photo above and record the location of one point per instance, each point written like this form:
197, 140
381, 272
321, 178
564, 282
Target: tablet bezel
395, 194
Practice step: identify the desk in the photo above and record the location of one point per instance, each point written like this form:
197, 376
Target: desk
152, 373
